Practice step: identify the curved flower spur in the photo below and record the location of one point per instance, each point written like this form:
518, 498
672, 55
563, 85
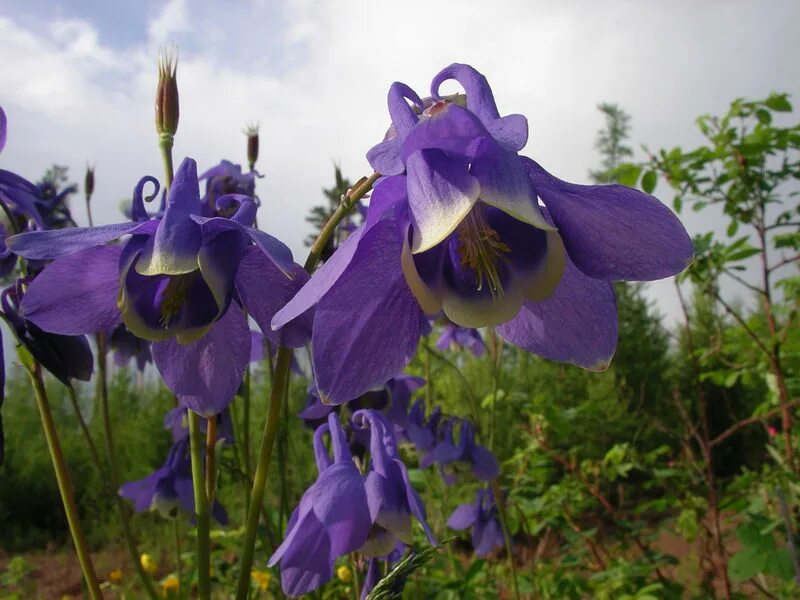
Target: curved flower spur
183, 281
455, 226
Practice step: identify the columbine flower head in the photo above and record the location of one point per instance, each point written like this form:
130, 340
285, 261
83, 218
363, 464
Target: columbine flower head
456, 227
127, 347
169, 488
344, 511
455, 337
182, 281
482, 517
452, 458
332, 519
227, 178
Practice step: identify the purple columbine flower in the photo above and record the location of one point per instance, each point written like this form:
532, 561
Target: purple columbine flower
332, 519
183, 281
227, 178
127, 347
482, 517
169, 488
450, 456
456, 227
393, 502
421, 431
453, 336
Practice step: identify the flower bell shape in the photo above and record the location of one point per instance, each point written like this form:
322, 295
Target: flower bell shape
456, 227
453, 336
169, 488
482, 517
393, 502
227, 178
182, 281
418, 430
127, 346
332, 519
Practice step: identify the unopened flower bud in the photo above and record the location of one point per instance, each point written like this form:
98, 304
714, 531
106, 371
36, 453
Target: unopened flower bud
88, 182
252, 145
167, 106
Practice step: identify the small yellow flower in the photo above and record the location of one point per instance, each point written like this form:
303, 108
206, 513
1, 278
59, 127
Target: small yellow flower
170, 584
344, 574
262, 578
148, 564
115, 576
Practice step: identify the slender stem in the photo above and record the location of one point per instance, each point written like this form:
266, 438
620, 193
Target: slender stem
248, 471
473, 401
200, 508
211, 471
501, 509
262, 468
165, 143
64, 482
111, 455
279, 383
428, 382
178, 566
89, 211
98, 463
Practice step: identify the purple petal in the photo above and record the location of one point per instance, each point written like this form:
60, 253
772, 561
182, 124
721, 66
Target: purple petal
505, 184
404, 117
320, 284
484, 463
206, 374
487, 537
480, 99
76, 294
440, 194
307, 565
177, 240
46, 245
367, 327
612, 231
511, 132
577, 324
449, 128
264, 290
385, 159
463, 517
3, 128
340, 503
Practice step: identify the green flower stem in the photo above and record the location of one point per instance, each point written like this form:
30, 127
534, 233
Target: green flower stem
279, 384
165, 141
248, 471
200, 509
62, 477
211, 452
501, 509
108, 436
87, 436
262, 467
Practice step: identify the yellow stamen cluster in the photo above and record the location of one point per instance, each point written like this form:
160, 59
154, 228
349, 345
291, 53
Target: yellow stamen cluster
480, 249
174, 296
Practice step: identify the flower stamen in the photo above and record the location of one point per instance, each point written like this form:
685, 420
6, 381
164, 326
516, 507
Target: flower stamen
174, 296
480, 249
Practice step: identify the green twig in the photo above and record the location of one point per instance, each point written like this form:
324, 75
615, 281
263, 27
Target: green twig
200, 508
62, 477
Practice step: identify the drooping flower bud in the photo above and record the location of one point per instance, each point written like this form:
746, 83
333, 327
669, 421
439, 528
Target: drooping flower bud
88, 182
251, 131
167, 105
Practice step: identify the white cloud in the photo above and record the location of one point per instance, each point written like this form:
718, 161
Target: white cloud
172, 20
315, 74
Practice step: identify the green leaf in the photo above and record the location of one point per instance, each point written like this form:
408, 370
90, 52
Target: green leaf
733, 228
649, 181
778, 103
391, 586
746, 564
780, 565
678, 204
628, 174
764, 116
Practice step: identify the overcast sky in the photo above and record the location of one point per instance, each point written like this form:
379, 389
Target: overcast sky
78, 78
